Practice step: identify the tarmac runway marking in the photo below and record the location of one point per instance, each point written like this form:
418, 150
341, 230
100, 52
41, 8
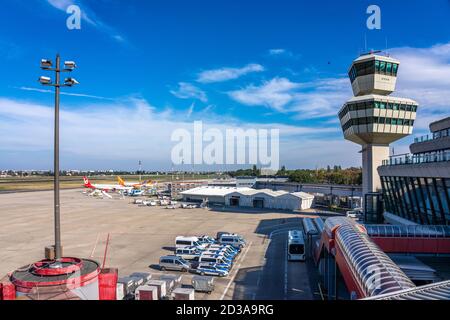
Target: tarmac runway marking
95, 246
236, 272
286, 273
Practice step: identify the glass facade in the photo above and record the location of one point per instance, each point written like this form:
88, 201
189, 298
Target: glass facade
373, 67
421, 200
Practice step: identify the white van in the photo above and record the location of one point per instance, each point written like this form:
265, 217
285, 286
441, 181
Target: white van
215, 259
234, 240
184, 242
188, 253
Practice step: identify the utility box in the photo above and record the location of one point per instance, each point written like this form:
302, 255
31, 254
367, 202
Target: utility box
161, 285
129, 285
120, 291
146, 293
142, 275
107, 284
203, 284
183, 294
177, 278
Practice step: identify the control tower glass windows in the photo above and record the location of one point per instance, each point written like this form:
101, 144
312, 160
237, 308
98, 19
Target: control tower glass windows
394, 69
372, 67
382, 67
389, 68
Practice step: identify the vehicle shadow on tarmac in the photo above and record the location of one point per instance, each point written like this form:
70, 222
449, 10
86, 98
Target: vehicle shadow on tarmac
248, 210
277, 278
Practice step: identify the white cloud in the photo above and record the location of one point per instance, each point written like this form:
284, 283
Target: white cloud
424, 76
112, 135
188, 91
275, 94
225, 74
318, 98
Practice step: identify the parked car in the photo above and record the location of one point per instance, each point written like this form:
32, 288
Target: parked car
212, 270
174, 263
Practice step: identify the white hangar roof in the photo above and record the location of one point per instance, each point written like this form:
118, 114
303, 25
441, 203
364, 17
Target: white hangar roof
215, 191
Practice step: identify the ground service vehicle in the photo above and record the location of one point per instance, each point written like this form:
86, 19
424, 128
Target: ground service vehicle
296, 246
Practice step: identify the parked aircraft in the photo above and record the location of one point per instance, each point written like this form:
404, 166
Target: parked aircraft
105, 187
135, 185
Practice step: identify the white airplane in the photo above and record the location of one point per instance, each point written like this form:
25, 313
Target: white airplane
105, 187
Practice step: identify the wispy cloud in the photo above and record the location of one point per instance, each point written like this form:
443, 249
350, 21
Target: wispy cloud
191, 110
82, 95
284, 53
189, 91
89, 16
225, 74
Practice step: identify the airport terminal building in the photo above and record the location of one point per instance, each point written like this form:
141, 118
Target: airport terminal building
250, 198
416, 187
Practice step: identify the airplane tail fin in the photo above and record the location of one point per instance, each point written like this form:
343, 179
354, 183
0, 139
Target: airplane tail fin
87, 183
120, 181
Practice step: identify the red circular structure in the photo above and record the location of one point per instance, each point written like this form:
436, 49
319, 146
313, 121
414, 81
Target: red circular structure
66, 266
55, 277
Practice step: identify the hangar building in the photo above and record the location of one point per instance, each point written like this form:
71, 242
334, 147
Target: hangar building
248, 197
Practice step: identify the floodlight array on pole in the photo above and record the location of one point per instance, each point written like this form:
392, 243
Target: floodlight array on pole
69, 66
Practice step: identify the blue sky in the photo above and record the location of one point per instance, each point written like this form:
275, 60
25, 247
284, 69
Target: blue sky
147, 68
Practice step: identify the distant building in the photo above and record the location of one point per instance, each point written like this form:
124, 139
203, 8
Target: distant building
250, 198
175, 188
245, 182
416, 187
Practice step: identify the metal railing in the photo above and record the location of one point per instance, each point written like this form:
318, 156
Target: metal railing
418, 158
434, 136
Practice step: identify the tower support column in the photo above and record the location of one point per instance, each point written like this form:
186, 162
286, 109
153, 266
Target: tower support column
372, 157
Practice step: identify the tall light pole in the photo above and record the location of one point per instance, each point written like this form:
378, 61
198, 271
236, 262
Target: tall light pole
69, 66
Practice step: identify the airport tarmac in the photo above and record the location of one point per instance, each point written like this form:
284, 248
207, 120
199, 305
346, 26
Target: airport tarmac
140, 235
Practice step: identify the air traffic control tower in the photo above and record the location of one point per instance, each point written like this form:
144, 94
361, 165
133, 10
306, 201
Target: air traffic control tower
373, 118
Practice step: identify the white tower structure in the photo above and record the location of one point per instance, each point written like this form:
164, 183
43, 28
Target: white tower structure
373, 118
